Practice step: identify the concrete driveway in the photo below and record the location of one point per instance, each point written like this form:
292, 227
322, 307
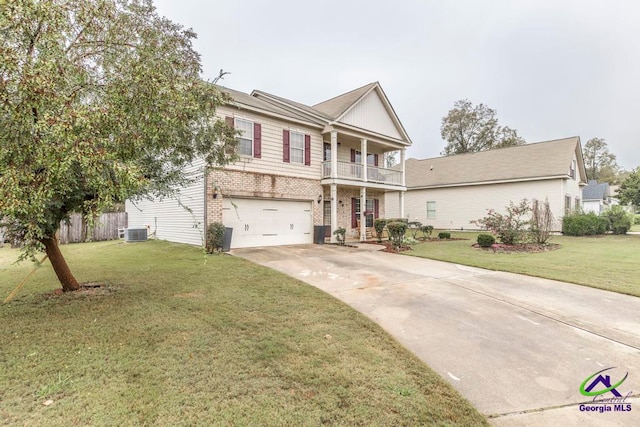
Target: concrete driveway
517, 347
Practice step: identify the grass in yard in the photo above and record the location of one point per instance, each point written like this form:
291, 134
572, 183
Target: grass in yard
177, 338
605, 262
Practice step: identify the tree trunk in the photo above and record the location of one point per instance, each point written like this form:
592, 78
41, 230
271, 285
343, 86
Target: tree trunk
68, 282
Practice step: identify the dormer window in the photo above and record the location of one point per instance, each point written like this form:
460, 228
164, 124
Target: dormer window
572, 171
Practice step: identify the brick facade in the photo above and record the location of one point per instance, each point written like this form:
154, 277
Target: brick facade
345, 195
230, 183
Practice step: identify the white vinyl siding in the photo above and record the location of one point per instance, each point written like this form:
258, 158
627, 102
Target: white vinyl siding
245, 139
296, 147
270, 161
457, 206
168, 218
370, 113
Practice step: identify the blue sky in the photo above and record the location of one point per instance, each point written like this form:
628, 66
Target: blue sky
551, 69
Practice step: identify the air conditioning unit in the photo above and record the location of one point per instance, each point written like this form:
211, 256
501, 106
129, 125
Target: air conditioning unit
135, 234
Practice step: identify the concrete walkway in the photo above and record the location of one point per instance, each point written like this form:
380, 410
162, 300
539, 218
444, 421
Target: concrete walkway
517, 347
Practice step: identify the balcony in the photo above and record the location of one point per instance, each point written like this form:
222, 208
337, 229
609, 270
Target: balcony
353, 171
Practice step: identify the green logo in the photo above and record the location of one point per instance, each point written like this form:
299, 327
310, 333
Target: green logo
605, 380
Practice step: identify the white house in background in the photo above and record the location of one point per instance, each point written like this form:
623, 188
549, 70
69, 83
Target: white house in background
596, 197
299, 166
450, 192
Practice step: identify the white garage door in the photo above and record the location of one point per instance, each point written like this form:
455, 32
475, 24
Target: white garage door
266, 222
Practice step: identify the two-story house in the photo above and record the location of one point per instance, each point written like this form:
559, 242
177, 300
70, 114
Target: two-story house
299, 166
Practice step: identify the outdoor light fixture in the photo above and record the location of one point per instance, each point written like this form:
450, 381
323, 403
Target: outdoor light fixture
319, 198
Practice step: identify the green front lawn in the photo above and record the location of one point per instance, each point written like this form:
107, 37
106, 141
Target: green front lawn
605, 262
178, 338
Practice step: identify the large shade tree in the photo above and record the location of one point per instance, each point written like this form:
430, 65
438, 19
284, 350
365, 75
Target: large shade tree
599, 163
100, 101
629, 191
469, 128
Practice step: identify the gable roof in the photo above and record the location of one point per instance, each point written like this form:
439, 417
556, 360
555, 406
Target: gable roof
338, 105
534, 161
595, 191
332, 111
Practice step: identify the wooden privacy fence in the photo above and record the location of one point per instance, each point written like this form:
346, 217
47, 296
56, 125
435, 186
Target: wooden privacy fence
105, 227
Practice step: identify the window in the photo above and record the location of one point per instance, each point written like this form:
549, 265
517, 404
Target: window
572, 171
356, 157
567, 205
578, 206
245, 139
431, 210
326, 154
297, 147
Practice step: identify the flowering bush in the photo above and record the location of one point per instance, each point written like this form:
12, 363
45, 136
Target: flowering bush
510, 228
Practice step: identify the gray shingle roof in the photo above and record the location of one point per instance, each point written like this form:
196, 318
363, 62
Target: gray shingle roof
336, 106
529, 161
595, 191
320, 114
242, 98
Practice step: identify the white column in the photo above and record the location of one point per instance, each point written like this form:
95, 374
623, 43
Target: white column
403, 166
363, 217
401, 201
334, 156
334, 209
363, 155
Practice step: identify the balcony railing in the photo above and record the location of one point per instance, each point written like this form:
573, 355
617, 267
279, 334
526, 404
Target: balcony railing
353, 171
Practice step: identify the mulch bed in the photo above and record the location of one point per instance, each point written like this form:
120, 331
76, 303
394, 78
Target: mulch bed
520, 248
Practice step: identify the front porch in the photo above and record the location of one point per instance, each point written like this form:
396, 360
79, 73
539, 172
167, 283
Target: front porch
354, 209
355, 178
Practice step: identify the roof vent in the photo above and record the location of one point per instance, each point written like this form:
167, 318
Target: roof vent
135, 234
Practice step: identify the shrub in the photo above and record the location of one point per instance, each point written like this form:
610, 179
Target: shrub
618, 220
583, 224
444, 235
486, 240
340, 234
405, 220
215, 237
510, 228
414, 227
396, 232
636, 219
379, 225
541, 221
408, 241
427, 230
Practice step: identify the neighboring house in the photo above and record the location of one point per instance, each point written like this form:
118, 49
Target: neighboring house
299, 166
450, 192
596, 197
